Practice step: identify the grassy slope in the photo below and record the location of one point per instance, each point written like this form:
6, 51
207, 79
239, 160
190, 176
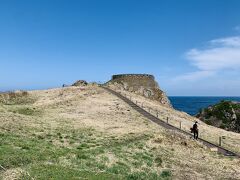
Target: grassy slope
206, 131
74, 133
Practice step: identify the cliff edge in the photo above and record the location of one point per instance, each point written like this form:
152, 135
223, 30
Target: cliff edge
143, 84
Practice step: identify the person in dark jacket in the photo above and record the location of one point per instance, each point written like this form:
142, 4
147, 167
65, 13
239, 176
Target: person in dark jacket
195, 130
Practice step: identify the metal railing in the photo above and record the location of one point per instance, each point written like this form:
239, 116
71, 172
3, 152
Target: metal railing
220, 142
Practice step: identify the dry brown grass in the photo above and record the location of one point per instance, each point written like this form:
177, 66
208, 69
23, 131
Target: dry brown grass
17, 97
210, 133
121, 135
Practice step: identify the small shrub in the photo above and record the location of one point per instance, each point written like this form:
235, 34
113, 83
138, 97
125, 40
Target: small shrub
83, 146
158, 161
25, 147
71, 141
40, 137
166, 174
137, 176
82, 156
142, 176
208, 121
223, 126
119, 168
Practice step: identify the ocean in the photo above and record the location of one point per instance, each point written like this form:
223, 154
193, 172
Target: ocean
192, 105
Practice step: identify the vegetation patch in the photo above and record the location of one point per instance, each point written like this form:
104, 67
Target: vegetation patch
16, 98
158, 161
143, 175
42, 159
166, 174
28, 111
225, 115
56, 172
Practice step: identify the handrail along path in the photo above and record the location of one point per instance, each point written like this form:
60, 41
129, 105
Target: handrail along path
162, 123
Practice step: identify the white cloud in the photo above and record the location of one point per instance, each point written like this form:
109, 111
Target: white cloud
215, 59
229, 41
220, 55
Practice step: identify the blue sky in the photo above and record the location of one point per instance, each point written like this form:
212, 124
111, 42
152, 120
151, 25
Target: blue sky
191, 47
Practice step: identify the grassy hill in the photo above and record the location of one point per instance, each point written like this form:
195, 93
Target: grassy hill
87, 133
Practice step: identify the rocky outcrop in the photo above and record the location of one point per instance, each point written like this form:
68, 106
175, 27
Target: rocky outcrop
80, 83
225, 115
143, 84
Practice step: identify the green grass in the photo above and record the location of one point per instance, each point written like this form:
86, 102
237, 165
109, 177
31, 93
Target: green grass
143, 176
42, 159
18, 151
28, 111
118, 169
53, 172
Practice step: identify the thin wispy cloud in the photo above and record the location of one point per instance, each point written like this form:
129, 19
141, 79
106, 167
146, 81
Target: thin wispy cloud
229, 41
221, 54
193, 76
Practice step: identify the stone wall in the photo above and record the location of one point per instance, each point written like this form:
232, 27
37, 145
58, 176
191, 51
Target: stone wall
143, 84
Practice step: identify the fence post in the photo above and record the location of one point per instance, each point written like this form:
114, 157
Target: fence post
157, 114
149, 110
220, 141
180, 123
167, 119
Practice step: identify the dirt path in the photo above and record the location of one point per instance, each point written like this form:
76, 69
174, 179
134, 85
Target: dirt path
168, 126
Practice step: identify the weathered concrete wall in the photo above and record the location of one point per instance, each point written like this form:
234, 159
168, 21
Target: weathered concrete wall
143, 84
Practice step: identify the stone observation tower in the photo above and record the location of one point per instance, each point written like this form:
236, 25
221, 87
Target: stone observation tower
142, 84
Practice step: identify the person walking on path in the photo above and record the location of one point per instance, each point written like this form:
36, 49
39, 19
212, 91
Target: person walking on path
195, 130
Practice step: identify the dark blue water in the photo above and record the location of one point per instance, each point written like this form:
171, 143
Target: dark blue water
192, 105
